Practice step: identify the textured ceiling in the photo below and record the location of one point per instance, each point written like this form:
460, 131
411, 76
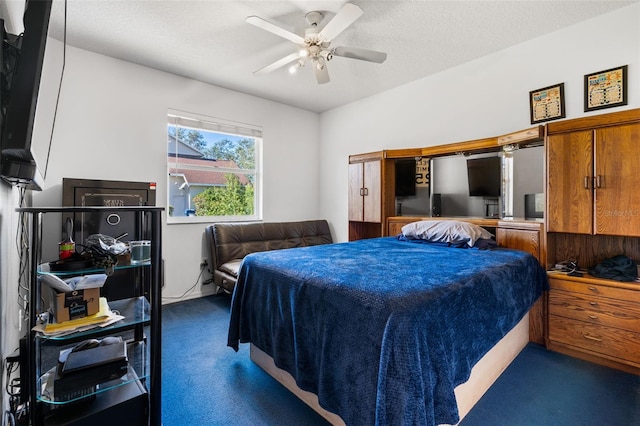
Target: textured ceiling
210, 41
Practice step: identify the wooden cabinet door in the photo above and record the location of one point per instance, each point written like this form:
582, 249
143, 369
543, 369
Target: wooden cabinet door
570, 182
356, 185
372, 191
617, 172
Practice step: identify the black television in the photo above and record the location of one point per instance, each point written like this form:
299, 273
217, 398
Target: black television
485, 176
405, 177
29, 96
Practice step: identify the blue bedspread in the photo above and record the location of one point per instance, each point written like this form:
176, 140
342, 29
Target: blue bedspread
382, 330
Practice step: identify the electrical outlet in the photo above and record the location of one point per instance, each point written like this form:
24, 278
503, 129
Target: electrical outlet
203, 264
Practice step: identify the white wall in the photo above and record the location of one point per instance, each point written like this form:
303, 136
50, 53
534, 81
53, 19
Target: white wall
111, 124
483, 98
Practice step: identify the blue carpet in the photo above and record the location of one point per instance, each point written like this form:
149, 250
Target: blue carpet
541, 387
204, 382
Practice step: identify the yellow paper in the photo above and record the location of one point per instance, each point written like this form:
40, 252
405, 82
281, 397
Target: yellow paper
102, 315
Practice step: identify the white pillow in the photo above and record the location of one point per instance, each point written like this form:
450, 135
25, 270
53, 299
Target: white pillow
445, 231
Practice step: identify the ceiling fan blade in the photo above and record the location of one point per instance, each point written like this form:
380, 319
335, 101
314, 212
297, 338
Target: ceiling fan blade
361, 54
277, 64
345, 17
272, 28
322, 74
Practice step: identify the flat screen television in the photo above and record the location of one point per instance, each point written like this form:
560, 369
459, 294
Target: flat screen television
405, 178
485, 176
29, 95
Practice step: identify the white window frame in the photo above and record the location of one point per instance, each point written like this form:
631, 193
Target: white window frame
195, 121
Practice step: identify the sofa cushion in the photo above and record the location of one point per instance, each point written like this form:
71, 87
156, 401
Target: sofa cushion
231, 267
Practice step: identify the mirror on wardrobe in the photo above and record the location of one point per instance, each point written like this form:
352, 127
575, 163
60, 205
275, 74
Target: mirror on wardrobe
448, 192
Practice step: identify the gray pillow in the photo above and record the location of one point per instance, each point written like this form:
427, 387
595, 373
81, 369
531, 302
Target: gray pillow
445, 231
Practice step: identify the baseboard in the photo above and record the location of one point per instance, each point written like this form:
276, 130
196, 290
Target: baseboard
214, 289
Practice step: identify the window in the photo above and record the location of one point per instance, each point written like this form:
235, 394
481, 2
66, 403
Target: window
213, 169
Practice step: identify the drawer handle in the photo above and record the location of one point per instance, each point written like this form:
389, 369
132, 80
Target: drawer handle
593, 316
593, 303
592, 288
597, 339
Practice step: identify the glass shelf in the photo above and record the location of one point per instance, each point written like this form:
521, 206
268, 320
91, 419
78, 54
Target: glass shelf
135, 311
44, 269
137, 369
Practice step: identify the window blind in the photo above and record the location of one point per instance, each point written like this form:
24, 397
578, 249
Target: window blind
193, 121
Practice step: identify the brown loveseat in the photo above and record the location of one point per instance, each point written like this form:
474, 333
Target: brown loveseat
229, 243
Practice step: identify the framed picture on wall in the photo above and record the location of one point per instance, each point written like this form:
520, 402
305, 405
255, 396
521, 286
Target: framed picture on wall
605, 89
547, 103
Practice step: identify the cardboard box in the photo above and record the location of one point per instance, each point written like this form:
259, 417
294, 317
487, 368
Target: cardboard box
75, 304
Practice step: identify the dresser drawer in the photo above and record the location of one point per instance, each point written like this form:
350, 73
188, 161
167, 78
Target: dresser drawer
596, 310
596, 289
622, 344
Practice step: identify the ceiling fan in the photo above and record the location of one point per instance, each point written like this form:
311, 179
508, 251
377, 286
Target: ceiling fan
315, 46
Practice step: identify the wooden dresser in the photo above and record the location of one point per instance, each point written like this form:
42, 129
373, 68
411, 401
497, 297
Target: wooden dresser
594, 319
593, 213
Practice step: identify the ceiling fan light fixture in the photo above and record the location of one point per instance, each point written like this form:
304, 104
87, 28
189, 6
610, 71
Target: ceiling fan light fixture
314, 50
299, 64
316, 43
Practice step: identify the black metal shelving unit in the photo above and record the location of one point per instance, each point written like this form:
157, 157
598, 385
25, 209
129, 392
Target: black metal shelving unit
141, 326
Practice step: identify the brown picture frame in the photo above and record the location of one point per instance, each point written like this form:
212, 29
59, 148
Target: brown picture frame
547, 103
605, 89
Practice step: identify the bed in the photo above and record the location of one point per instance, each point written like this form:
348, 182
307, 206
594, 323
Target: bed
383, 330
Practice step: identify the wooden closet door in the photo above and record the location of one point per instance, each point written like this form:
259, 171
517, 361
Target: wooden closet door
617, 171
356, 183
570, 182
373, 192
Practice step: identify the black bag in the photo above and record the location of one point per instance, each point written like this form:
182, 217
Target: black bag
619, 268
